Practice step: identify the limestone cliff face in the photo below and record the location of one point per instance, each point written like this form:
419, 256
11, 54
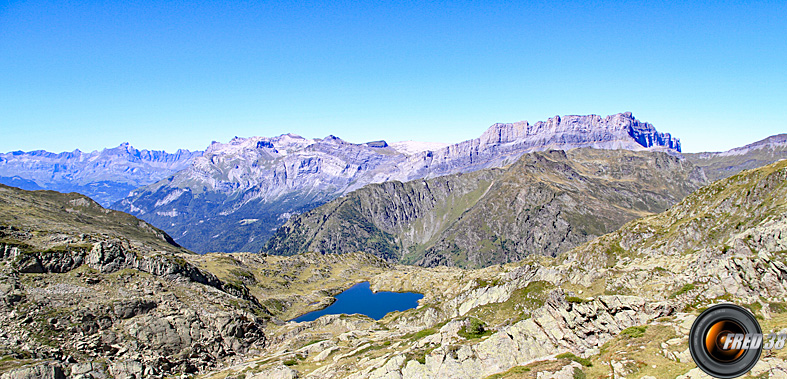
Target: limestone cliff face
235, 196
544, 204
106, 176
503, 144
621, 128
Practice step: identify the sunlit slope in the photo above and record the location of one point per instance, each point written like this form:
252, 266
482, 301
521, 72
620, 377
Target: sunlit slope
46, 219
724, 164
621, 304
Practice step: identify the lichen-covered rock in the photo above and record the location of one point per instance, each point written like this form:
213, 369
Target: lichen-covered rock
278, 372
42, 371
130, 369
88, 370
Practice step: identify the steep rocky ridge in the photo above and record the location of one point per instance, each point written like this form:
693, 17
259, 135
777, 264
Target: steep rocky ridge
720, 165
235, 196
545, 203
106, 176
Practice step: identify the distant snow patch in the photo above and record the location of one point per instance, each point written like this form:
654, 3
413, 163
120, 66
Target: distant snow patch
132, 208
415, 147
171, 197
247, 221
285, 216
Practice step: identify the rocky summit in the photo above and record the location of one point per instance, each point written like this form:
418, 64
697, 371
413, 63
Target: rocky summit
105, 176
236, 195
80, 300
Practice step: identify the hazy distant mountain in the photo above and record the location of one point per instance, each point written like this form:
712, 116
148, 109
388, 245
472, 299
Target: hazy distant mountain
106, 176
721, 165
235, 196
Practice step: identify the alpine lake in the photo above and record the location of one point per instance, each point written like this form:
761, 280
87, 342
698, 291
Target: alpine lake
359, 299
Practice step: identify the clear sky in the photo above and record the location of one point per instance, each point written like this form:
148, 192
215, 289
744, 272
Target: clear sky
179, 74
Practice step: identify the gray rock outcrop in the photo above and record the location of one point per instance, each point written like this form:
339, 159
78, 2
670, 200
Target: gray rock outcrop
41, 371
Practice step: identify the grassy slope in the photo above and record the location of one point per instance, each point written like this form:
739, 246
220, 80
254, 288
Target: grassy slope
723, 165
546, 203
47, 218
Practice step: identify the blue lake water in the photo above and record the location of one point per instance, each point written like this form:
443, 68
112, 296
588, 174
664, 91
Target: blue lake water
360, 299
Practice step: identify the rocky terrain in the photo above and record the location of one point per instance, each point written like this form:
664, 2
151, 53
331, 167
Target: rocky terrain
106, 176
617, 306
546, 203
236, 195
110, 294
721, 165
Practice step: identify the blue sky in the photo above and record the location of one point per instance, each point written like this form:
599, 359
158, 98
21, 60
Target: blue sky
177, 74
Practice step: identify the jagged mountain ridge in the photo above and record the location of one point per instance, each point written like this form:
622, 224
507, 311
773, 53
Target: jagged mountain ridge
235, 196
720, 165
105, 176
546, 203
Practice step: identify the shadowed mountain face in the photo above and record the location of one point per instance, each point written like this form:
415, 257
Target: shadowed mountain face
546, 203
725, 164
106, 176
235, 196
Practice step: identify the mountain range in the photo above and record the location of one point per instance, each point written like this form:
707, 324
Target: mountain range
235, 196
568, 261
105, 176
720, 165
546, 203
